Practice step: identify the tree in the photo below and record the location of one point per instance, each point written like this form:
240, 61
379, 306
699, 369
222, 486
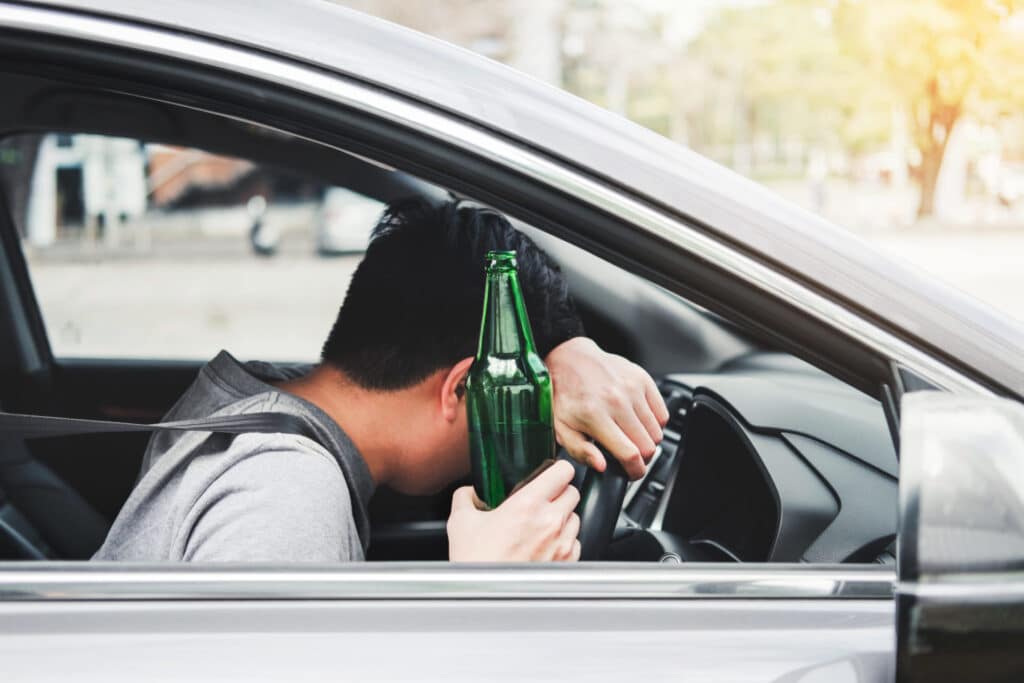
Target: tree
940, 60
832, 72
778, 71
829, 74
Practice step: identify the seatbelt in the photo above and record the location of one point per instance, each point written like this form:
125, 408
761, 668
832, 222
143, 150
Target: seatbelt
39, 426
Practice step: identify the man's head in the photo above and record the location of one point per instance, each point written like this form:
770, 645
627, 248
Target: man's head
410, 322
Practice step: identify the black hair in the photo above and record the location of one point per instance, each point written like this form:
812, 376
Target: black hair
414, 303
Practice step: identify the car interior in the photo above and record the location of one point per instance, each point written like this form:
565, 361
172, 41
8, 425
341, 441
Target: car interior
766, 458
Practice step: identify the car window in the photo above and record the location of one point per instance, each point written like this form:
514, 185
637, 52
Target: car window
149, 251
141, 250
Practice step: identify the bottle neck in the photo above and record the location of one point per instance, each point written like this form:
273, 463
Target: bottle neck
506, 327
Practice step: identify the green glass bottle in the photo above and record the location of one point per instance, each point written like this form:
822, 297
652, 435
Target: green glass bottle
508, 390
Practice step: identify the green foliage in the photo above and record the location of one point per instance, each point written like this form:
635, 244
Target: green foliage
940, 60
840, 73
784, 64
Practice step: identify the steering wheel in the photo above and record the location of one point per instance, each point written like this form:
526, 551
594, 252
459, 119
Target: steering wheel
601, 496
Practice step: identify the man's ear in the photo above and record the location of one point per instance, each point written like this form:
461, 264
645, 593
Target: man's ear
451, 395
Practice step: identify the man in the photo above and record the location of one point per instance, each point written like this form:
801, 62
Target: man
385, 406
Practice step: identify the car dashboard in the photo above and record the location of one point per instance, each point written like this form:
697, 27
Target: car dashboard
769, 460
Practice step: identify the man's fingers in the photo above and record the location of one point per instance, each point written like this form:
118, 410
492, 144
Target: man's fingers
620, 446
615, 440
551, 483
462, 498
567, 540
465, 498
610, 435
649, 421
634, 429
579, 447
567, 501
655, 400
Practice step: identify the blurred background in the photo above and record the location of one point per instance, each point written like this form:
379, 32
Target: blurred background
901, 120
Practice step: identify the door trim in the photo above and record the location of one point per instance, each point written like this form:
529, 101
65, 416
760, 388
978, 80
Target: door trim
64, 581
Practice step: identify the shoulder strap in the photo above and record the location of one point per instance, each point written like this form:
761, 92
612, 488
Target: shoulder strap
35, 426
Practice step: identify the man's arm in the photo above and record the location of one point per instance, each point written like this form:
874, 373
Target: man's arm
273, 506
607, 398
597, 395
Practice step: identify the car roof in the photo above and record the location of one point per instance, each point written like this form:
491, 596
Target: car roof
714, 198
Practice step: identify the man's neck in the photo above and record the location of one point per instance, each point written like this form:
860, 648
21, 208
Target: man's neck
366, 416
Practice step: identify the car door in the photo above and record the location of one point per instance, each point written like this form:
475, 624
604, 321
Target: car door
424, 623
598, 621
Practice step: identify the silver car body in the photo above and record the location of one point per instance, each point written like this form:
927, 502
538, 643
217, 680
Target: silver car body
598, 622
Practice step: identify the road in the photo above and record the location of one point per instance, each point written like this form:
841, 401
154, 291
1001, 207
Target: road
274, 309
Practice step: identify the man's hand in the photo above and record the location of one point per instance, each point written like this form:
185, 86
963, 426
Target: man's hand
609, 399
536, 523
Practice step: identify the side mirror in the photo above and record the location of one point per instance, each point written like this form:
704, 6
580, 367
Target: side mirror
960, 598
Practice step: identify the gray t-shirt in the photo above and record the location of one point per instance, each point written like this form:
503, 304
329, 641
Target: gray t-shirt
252, 497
